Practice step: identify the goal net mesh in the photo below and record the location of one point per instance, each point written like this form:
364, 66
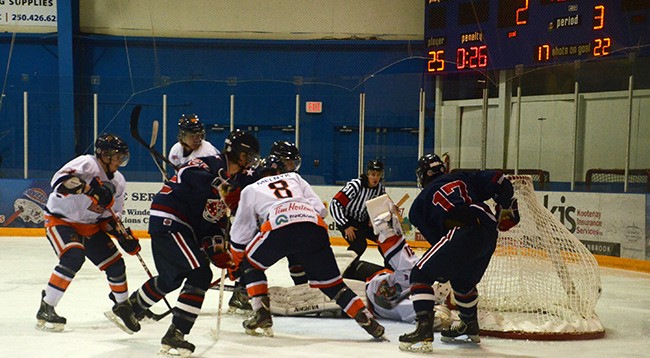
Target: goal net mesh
542, 282
602, 179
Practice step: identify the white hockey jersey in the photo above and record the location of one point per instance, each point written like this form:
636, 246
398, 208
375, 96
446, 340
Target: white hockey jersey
273, 202
79, 208
204, 150
402, 261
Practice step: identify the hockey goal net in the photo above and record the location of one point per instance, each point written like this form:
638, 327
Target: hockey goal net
542, 282
605, 178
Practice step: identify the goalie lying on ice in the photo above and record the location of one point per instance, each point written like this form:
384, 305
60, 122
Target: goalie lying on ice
385, 292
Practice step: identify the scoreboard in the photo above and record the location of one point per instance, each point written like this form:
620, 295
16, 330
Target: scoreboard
471, 35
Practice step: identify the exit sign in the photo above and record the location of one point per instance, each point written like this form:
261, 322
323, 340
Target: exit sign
314, 107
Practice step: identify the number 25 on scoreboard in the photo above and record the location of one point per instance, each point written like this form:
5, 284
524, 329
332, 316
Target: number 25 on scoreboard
436, 61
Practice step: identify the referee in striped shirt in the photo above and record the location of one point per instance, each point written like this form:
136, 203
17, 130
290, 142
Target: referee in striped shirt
348, 207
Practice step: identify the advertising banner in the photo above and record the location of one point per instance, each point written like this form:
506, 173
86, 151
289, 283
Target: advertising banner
22, 202
28, 13
608, 224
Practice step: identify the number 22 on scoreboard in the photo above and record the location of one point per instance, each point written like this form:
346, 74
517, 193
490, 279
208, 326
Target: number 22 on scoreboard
436, 61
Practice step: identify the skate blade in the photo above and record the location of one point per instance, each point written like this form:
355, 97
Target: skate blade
462, 339
382, 338
42, 325
260, 332
235, 311
417, 347
117, 321
169, 351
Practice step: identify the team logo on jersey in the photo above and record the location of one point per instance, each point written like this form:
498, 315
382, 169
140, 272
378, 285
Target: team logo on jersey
281, 219
214, 210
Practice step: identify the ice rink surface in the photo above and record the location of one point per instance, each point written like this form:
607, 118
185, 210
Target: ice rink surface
26, 263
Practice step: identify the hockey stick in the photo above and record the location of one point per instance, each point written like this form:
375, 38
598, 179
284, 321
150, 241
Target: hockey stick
402, 200
125, 232
152, 143
158, 158
397, 206
13, 217
220, 309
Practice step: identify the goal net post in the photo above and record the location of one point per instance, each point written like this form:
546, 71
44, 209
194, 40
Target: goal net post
542, 282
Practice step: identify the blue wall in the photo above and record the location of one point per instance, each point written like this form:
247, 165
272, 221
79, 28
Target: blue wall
200, 75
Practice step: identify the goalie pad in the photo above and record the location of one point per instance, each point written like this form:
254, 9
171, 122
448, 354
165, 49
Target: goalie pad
384, 216
302, 300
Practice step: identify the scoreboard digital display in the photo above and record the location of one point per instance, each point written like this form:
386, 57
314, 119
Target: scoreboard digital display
470, 35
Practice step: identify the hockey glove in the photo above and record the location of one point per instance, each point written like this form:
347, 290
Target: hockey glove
386, 225
129, 243
101, 193
72, 185
214, 248
237, 257
508, 217
234, 273
229, 194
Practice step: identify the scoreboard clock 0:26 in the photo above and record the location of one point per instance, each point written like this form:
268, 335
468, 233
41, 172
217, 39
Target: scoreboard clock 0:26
466, 35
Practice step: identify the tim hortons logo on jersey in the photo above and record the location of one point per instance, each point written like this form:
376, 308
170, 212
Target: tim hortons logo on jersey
281, 219
292, 207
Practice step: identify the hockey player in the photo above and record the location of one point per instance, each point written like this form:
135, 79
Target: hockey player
78, 222
239, 300
288, 153
187, 222
452, 215
191, 141
348, 207
387, 291
289, 215
291, 159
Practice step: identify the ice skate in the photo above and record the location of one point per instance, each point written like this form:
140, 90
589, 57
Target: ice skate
123, 317
138, 312
261, 322
465, 330
174, 344
420, 340
239, 302
47, 319
368, 323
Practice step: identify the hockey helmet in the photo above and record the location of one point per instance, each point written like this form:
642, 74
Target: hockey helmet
109, 145
430, 166
239, 141
190, 123
386, 296
375, 164
289, 153
272, 165
190, 128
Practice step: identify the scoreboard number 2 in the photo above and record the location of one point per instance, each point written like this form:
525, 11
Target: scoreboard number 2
436, 61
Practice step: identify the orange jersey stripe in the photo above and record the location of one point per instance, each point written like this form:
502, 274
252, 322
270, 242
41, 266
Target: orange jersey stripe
257, 289
81, 229
60, 282
356, 306
119, 288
